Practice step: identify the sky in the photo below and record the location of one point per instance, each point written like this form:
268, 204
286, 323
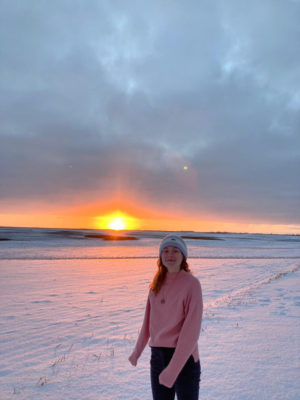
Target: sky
181, 115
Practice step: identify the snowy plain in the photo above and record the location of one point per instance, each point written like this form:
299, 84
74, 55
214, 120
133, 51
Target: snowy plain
71, 310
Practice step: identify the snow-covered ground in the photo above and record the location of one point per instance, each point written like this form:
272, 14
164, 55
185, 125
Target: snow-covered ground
68, 324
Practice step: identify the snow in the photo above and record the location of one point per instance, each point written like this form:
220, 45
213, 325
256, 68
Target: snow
68, 324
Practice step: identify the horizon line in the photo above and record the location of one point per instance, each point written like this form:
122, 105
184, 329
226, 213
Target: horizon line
151, 230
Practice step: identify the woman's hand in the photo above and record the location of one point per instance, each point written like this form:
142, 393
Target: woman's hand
132, 360
165, 379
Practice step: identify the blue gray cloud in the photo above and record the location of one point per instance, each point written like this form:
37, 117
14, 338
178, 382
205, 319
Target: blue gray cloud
98, 97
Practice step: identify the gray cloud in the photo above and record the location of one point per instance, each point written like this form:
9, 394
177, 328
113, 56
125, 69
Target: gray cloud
101, 97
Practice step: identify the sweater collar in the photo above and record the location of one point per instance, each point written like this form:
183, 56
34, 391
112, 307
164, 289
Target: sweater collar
170, 277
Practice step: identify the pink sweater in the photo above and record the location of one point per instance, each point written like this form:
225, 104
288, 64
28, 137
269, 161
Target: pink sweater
173, 323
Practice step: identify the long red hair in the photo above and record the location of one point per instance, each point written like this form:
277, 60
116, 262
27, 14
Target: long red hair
161, 273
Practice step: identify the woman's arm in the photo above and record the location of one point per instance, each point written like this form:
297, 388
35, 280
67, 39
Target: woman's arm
143, 337
188, 337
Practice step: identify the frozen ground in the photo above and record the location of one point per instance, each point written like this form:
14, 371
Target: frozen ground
68, 326
71, 309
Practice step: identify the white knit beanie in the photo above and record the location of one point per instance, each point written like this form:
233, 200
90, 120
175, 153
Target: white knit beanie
176, 241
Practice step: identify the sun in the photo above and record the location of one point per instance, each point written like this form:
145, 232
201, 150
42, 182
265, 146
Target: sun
117, 221
117, 224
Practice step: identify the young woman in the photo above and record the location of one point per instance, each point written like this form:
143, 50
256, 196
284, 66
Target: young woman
172, 322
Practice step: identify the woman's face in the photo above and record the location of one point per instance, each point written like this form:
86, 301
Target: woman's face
171, 258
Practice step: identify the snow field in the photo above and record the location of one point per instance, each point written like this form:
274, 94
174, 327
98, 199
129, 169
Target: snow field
68, 326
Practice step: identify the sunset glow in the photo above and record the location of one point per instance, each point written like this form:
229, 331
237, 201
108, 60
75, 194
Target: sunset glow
117, 224
129, 221
116, 221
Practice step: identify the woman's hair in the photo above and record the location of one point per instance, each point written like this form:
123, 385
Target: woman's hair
161, 273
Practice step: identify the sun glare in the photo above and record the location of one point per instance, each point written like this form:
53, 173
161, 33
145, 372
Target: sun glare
116, 221
117, 224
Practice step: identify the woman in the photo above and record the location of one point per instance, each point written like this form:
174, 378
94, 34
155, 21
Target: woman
172, 321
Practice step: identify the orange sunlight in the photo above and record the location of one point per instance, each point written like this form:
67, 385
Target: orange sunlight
116, 221
107, 215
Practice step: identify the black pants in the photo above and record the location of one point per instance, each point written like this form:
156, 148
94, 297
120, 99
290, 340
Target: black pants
187, 383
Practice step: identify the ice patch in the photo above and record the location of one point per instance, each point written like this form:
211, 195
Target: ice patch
5, 372
41, 301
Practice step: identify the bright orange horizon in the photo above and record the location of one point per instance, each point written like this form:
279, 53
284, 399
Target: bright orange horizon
116, 219
124, 213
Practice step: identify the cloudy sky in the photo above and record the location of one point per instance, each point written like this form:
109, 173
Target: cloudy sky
163, 109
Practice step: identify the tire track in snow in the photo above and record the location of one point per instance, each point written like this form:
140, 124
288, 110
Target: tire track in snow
239, 296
